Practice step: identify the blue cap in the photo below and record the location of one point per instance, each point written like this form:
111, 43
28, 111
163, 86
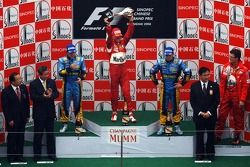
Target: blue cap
71, 48
168, 51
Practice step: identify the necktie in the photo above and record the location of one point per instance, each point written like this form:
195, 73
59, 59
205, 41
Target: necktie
44, 85
204, 89
18, 93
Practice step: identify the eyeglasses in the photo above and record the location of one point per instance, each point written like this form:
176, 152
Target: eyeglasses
232, 57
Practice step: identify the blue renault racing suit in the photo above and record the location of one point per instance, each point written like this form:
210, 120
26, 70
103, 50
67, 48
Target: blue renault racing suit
171, 72
71, 89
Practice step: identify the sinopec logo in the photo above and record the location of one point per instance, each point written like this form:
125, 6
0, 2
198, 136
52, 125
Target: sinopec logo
188, 29
132, 92
217, 73
143, 70
103, 106
27, 34
61, 30
221, 33
186, 111
206, 9
130, 48
55, 72
163, 45
42, 10
102, 70
193, 66
146, 106
247, 39
247, 2
206, 51
11, 58
236, 15
1, 41
87, 91
1, 82
43, 52
85, 48
11, 17
28, 74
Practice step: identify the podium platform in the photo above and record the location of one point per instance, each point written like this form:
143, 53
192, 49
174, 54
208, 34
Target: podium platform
103, 139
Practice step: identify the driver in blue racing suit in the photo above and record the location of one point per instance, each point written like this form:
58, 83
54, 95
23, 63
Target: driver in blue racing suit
72, 68
171, 69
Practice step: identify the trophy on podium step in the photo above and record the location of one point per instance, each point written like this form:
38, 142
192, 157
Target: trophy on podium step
108, 14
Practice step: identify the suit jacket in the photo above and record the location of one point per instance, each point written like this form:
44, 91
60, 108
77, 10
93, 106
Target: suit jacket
205, 102
14, 109
43, 108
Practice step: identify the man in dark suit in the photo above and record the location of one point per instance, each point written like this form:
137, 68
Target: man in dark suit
204, 99
16, 108
43, 92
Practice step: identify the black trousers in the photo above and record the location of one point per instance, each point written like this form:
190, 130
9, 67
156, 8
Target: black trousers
39, 127
202, 126
15, 140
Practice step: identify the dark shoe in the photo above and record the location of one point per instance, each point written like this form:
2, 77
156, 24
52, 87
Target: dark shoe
236, 140
52, 158
21, 159
36, 158
199, 158
10, 160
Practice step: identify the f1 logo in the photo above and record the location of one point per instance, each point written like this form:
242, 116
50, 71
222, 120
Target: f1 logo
96, 15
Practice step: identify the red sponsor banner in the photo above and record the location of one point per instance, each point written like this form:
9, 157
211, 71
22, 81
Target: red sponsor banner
185, 90
100, 50
221, 53
247, 17
11, 37
236, 35
221, 12
1, 17
102, 90
58, 48
206, 29
45, 63
146, 90
7, 74
1, 60
10, 2
90, 69
247, 58
208, 65
188, 49
27, 54
61, 9
146, 49
88, 106
188, 9
131, 64
237, 2
27, 13
42, 30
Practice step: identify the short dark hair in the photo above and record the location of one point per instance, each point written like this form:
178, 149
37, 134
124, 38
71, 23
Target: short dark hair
202, 70
12, 77
42, 69
236, 52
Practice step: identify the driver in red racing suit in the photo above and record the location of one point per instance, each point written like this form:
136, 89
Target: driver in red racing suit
116, 44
